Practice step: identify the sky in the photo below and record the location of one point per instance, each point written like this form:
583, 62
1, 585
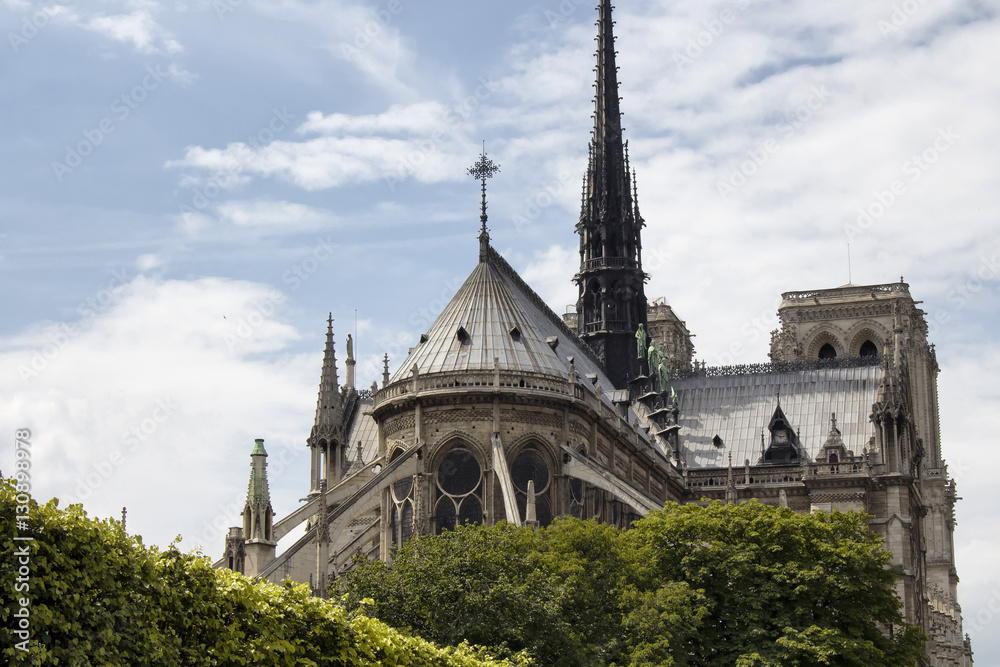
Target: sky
188, 188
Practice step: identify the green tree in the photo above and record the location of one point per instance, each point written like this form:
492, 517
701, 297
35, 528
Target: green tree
773, 588
556, 592
484, 585
585, 563
748, 585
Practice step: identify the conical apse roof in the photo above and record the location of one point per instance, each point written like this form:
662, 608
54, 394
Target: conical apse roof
495, 315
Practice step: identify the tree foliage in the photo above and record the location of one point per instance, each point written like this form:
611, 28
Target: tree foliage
487, 586
778, 588
98, 596
748, 585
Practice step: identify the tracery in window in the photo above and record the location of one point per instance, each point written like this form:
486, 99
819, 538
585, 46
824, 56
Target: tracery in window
528, 466
459, 490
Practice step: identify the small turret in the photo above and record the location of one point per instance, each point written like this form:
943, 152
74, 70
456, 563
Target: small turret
235, 554
258, 515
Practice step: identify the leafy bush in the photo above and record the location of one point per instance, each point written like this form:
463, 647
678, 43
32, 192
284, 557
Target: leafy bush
98, 596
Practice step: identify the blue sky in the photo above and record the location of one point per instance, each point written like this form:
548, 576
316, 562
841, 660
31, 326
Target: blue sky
189, 187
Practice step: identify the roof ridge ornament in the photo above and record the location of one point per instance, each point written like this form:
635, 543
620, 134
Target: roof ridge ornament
484, 168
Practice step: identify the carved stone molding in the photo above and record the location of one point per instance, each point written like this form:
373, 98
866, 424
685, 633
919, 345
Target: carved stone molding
453, 416
579, 428
858, 496
399, 424
526, 417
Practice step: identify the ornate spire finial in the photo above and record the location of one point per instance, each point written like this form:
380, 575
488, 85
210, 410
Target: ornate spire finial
483, 169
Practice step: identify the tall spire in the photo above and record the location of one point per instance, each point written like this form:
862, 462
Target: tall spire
607, 112
612, 301
329, 385
326, 434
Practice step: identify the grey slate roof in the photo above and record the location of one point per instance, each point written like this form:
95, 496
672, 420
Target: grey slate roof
737, 407
363, 430
494, 300
491, 303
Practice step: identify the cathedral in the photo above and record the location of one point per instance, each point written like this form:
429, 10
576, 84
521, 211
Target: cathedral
504, 410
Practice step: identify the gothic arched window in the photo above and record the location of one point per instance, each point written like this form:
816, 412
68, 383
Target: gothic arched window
827, 352
459, 487
530, 466
868, 349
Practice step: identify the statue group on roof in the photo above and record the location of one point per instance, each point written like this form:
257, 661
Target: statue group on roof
656, 360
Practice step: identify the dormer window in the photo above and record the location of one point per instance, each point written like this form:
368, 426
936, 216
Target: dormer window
784, 447
463, 336
515, 335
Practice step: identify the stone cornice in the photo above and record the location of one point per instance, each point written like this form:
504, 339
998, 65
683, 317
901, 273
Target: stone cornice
856, 291
847, 311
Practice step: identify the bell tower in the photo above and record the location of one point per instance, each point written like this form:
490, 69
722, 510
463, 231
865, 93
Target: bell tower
612, 301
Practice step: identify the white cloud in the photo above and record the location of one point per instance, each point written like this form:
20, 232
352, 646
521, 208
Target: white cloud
548, 273
434, 147
419, 119
138, 28
148, 262
131, 22
122, 402
366, 36
280, 215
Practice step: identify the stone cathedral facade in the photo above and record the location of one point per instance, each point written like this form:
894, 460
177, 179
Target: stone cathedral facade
504, 410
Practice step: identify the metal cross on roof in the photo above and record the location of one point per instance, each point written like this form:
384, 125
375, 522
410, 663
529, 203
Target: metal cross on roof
483, 169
